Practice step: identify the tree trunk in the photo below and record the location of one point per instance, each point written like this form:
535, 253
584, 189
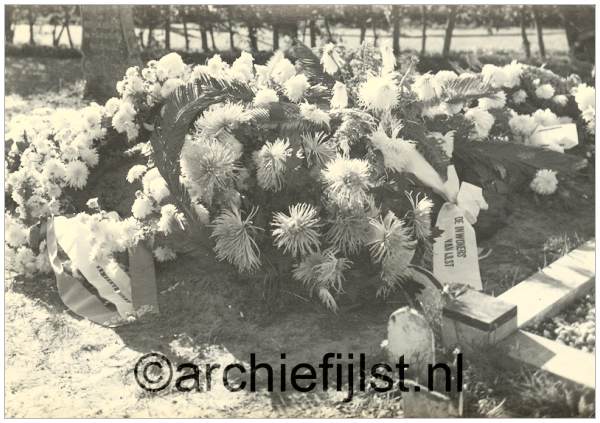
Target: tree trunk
374, 35
31, 21
423, 29
168, 28
231, 37
203, 38
109, 46
186, 35
69, 35
540, 31
363, 33
275, 37
526, 44
328, 29
150, 36
449, 30
313, 33
212, 38
141, 38
396, 28
9, 33
252, 38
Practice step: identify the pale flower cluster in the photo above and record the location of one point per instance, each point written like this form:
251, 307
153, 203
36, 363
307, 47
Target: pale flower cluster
544, 182
585, 97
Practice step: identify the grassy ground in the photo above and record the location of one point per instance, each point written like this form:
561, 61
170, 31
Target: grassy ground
58, 365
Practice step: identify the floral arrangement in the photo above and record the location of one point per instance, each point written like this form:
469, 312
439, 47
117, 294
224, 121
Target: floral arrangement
309, 166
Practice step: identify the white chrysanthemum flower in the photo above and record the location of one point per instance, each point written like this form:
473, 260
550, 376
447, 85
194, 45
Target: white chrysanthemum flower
498, 101
135, 173
202, 213
585, 97
297, 233
312, 113
54, 169
76, 174
154, 185
348, 231
163, 254
296, 86
519, 96
330, 59
207, 166
15, 233
544, 182
347, 181
426, 87
523, 125
170, 66
142, 207
388, 60
93, 204
495, 76
170, 85
444, 77
387, 237
545, 117
265, 96
317, 149
560, 99
379, 93
283, 70
271, 164
242, 68
216, 67
339, 99
420, 216
545, 91
483, 121
512, 73
220, 117
235, 240
330, 272
169, 216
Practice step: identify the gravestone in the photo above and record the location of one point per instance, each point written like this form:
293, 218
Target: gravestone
109, 47
410, 335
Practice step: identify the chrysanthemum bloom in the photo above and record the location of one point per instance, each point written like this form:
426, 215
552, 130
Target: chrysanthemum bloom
330, 272
15, 233
142, 207
283, 71
444, 77
271, 164
220, 117
154, 185
339, 99
76, 174
560, 99
242, 67
170, 85
379, 93
427, 87
545, 117
388, 236
348, 231
519, 97
296, 86
54, 169
545, 91
494, 75
497, 101
482, 119
313, 114
169, 216
585, 97
135, 173
297, 233
216, 67
420, 216
317, 149
544, 182
347, 181
235, 239
163, 254
170, 66
330, 59
265, 96
207, 166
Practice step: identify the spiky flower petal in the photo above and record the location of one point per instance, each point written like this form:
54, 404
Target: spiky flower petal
420, 215
235, 239
270, 164
207, 166
379, 93
388, 236
347, 181
297, 233
221, 117
317, 149
348, 231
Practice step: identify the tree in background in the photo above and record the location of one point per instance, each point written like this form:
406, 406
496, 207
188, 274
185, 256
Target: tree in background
452, 12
